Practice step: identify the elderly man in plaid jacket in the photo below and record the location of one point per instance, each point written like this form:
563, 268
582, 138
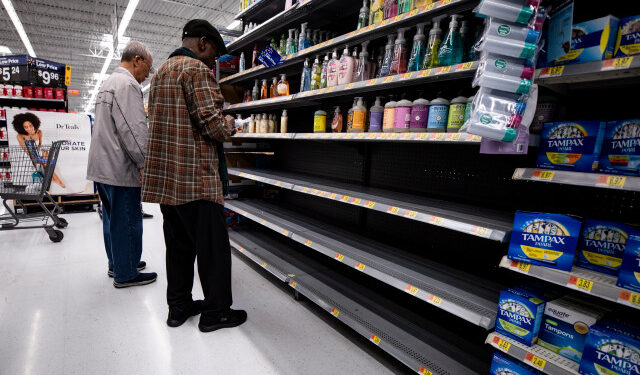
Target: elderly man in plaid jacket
185, 172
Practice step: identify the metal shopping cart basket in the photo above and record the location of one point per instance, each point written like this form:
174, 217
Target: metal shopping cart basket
29, 179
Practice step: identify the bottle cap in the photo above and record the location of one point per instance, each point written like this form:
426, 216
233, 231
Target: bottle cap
528, 51
509, 135
519, 108
524, 87
527, 72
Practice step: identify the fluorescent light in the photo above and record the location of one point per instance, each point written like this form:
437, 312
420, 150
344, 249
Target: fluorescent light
18, 25
5, 50
126, 18
233, 25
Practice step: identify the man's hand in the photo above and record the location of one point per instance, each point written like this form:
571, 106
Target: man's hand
230, 123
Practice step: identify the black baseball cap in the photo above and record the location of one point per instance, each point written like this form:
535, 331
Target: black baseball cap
202, 28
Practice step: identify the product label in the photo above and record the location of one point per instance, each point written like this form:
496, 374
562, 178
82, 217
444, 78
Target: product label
389, 118
602, 245
500, 64
621, 148
419, 116
504, 30
505, 365
358, 120
486, 119
572, 146
403, 118
438, 117
319, 123
607, 352
519, 315
375, 122
456, 116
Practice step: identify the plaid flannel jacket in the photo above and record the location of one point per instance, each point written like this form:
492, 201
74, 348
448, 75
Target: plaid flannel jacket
185, 115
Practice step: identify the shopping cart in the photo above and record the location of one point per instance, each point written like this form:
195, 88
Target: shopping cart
29, 179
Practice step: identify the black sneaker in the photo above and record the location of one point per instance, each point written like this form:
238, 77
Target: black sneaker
177, 317
142, 265
211, 321
146, 215
141, 279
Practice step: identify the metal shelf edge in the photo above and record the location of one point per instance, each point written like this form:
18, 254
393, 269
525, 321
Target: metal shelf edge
598, 180
456, 138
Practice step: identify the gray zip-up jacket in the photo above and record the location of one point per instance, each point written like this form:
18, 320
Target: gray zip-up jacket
119, 139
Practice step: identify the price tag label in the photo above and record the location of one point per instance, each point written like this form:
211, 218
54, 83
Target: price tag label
306, 190
424, 371
331, 89
345, 198
407, 135
438, 136
443, 69
388, 79
435, 300
554, 71
481, 231
340, 257
444, 2
384, 22
349, 35
356, 200
423, 136
333, 195
322, 91
398, 18
241, 249
630, 298
411, 214
436, 220
335, 312
263, 221
393, 210
285, 232
376, 340
264, 264
534, 361
521, 266
612, 181
504, 345
424, 73
372, 82
412, 289
308, 243
370, 204
619, 63
543, 175
350, 86
293, 284
360, 266
580, 283
314, 191
408, 75
453, 136
465, 66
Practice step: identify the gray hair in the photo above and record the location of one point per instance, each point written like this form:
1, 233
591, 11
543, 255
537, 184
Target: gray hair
134, 49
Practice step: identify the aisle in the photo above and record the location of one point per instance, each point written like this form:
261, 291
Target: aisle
59, 314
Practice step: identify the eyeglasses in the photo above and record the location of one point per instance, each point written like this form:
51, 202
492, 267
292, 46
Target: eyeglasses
151, 68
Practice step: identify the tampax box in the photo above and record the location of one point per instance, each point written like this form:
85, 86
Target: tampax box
628, 42
542, 239
629, 276
590, 41
611, 348
520, 315
503, 364
621, 148
602, 244
571, 145
565, 326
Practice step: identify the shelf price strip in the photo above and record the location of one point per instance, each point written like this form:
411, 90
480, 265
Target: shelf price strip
619, 63
629, 298
580, 284
554, 71
535, 361
611, 181
543, 175
503, 345
375, 339
520, 266
424, 371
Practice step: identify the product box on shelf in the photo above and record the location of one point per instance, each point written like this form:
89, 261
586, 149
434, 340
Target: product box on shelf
628, 42
602, 244
611, 348
565, 325
520, 315
629, 276
621, 148
590, 41
38, 92
543, 239
571, 145
503, 364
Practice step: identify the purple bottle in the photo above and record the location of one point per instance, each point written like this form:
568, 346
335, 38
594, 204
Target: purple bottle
375, 116
419, 115
402, 121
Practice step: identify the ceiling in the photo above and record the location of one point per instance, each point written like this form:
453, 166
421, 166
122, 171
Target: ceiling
72, 32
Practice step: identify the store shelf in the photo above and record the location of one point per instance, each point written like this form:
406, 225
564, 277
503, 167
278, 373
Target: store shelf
599, 180
358, 36
464, 70
23, 99
259, 255
400, 332
457, 138
463, 218
461, 295
594, 283
596, 71
261, 6
535, 356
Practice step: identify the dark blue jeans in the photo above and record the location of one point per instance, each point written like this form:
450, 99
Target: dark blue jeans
122, 228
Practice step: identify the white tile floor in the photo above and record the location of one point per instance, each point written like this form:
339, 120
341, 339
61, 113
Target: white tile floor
59, 314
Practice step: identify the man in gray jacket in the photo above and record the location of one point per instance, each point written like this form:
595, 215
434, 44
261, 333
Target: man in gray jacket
116, 159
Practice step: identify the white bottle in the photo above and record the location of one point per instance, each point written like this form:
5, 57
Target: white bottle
334, 64
284, 122
345, 72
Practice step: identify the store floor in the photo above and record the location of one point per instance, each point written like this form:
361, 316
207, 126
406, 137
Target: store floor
60, 314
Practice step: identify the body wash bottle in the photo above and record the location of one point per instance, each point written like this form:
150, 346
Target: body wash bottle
363, 17
324, 74
283, 45
375, 116
291, 42
305, 78
302, 39
399, 62
388, 57
264, 90
451, 51
345, 72
417, 52
316, 74
332, 70
273, 89
283, 86
363, 68
390, 9
359, 117
336, 123
431, 53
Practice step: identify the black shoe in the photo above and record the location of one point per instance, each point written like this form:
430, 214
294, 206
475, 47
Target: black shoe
211, 321
146, 215
177, 317
141, 279
142, 265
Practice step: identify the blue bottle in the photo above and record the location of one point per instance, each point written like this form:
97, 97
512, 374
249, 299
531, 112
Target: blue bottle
452, 49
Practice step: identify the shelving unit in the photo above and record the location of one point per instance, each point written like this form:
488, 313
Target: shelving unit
461, 296
455, 216
457, 138
535, 356
598, 180
596, 71
583, 280
395, 330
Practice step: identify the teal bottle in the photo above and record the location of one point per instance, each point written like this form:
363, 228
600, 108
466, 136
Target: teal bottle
452, 49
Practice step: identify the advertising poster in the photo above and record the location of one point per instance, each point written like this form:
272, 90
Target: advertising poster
33, 129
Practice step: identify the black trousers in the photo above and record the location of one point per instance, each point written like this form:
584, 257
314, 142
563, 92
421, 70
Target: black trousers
197, 230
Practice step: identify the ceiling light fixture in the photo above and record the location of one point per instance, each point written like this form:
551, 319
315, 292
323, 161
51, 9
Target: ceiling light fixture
18, 25
126, 18
233, 25
5, 50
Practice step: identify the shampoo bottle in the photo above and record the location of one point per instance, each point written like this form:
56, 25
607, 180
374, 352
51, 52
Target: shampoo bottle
334, 64
417, 52
431, 53
316, 74
264, 90
389, 115
324, 73
359, 117
451, 51
375, 116
388, 57
363, 17
363, 68
291, 42
273, 89
402, 121
283, 86
336, 123
419, 114
305, 79
284, 121
399, 62
345, 72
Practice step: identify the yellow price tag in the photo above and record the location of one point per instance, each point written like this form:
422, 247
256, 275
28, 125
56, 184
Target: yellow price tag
340, 257
534, 361
580, 283
372, 82
444, 69
521, 266
481, 231
394, 210
411, 214
629, 297
371, 204
619, 63
413, 13
345, 198
424, 73
293, 284
444, 2
424, 371
264, 264
335, 312
333, 195
423, 136
388, 79
263, 221
306, 190
308, 243
376, 340
360, 266
503, 345
435, 300
412, 289
465, 66
616, 181
350, 86
356, 200
543, 175
285, 232
553, 71
436, 220
408, 75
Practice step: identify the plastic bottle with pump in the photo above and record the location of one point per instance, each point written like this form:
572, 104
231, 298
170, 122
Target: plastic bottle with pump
363, 17
417, 52
305, 78
282, 50
255, 93
273, 44
375, 11
345, 71
336, 123
303, 42
388, 56
390, 9
359, 117
363, 67
291, 42
332, 70
457, 109
419, 114
350, 115
283, 86
273, 89
271, 124
309, 38
243, 63
316, 74
324, 73
466, 36
404, 6
264, 90
399, 62
316, 37
431, 53
375, 116
389, 115
254, 58
264, 124
451, 51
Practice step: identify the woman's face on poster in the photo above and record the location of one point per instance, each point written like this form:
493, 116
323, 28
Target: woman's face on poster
29, 128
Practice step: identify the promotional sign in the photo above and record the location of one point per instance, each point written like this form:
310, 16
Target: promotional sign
269, 57
36, 71
33, 129
13, 69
